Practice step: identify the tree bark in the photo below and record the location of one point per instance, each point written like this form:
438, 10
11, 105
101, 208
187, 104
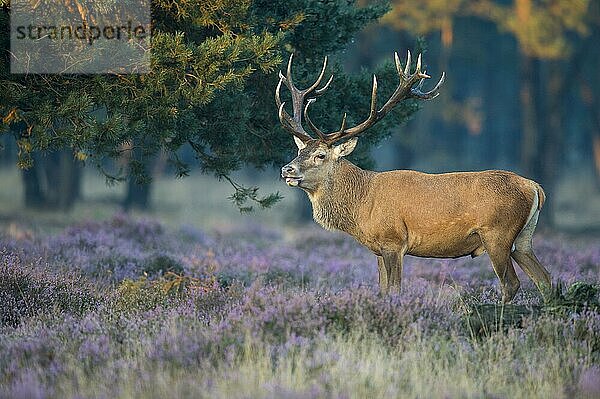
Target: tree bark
53, 182
529, 114
34, 197
593, 106
550, 158
139, 193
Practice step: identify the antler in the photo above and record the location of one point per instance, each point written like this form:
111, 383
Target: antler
405, 90
294, 124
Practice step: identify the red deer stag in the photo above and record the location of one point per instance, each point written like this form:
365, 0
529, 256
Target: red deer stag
405, 212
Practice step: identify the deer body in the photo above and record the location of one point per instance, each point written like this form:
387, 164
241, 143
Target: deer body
405, 212
432, 215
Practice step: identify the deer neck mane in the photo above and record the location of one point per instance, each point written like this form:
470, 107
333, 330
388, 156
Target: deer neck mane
335, 203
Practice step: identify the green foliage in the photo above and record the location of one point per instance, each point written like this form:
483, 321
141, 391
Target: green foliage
575, 297
213, 73
162, 264
424, 16
140, 295
144, 294
543, 28
486, 319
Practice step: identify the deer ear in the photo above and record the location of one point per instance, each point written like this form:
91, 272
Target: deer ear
301, 144
345, 148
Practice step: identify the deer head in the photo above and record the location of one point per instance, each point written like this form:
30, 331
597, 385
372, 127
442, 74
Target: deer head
317, 157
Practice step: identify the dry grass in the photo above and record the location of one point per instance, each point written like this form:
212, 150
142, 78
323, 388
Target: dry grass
359, 366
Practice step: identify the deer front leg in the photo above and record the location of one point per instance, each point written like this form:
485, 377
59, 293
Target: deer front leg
383, 275
393, 266
393, 262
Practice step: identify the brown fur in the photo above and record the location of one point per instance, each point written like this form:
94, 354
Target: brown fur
427, 215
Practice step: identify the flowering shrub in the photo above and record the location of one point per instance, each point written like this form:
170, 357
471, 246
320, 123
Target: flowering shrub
127, 307
27, 291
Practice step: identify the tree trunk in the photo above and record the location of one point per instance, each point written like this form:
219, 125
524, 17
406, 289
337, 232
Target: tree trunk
138, 195
138, 192
593, 106
540, 153
550, 158
529, 114
34, 197
53, 182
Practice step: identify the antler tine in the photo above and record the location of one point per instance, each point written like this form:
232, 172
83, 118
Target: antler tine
284, 117
322, 90
353, 131
290, 125
431, 94
398, 64
277, 90
343, 123
374, 98
311, 125
406, 89
318, 81
418, 70
289, 70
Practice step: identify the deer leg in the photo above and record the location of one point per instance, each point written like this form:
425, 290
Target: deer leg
526, 259
499, 253
393, 261
383, 275
532, 267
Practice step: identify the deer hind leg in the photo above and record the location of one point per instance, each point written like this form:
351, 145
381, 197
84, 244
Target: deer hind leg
525, 257
499, 251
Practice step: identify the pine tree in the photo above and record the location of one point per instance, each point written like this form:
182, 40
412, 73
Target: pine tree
213, 72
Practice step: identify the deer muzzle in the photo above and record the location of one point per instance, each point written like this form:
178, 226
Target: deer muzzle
291, 174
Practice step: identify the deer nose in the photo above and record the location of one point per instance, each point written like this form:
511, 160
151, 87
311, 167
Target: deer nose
289, 170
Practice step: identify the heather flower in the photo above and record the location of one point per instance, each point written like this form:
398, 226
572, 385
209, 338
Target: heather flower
589, 382
27, 291
127, 307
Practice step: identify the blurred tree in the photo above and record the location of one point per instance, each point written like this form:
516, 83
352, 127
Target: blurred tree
544, 31
548, 34
426, 16
589, 85
210, 88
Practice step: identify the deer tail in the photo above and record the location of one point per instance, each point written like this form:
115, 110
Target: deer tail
541, 195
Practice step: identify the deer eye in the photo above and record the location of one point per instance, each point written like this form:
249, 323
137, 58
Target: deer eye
320, 156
